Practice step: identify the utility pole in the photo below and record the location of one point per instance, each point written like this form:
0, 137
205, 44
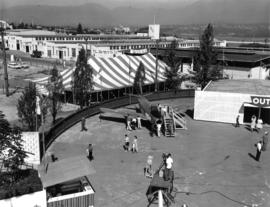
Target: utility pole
4, 60
156, 78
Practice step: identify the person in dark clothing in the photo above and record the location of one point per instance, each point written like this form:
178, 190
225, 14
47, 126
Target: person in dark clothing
237, 121
265, 141
89, 151
83, 128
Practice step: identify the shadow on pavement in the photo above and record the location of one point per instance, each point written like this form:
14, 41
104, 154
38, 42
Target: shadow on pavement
190, 113
252, 156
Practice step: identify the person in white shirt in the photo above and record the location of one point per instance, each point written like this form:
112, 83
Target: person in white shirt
259, 151
158, 129
259, 125
135, 144
169, 161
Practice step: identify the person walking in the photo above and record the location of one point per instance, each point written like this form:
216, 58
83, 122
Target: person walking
168, 169
259, 151
89, 152
148, 169
237, 121
139, 124
259, 125
158, 129
129, 123
83, 128
126, 146
135, 144
265, 141
253, 123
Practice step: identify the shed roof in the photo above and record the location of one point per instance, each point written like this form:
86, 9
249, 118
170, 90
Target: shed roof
246, 86
242, 57
65, 170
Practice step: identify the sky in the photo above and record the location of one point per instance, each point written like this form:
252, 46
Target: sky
107, 3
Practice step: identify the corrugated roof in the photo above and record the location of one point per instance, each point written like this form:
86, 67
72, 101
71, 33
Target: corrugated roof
247, 86
65, 170
242, 57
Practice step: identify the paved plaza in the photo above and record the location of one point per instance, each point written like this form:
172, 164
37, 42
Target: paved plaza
211, 160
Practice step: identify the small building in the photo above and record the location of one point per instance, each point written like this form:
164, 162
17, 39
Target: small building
223, 100
67, 182
245, 65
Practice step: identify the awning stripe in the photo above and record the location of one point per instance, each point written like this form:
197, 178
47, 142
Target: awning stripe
113, 73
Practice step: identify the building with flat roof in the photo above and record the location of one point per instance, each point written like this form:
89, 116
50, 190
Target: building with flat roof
223, 100
66, 47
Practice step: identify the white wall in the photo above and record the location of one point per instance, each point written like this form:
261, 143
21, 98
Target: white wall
259, 73
37, 199
219, 106
31, 144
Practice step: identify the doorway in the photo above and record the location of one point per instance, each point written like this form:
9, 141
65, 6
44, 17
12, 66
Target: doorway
27, 49
263, 113
60, 55
249, 112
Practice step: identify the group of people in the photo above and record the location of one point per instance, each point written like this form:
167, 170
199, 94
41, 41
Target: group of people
133, 123
134, 146
167, 162
261, 146
256, 124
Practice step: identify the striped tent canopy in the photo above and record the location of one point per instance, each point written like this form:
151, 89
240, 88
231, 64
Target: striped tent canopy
113, 73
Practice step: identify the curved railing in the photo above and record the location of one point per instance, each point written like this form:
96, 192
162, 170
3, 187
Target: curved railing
76, 117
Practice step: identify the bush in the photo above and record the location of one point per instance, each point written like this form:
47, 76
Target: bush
27, 182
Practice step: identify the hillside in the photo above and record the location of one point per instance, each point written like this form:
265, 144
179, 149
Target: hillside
93, 14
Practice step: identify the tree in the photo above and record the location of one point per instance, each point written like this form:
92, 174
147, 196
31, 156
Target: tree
139, 78
55, 88
79, 29
172, 73
82, 83
11, 147
26, 106
205, 63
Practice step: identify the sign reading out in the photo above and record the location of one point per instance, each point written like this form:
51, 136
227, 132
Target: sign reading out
260, 101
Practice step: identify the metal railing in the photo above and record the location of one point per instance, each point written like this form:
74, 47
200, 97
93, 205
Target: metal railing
76, 117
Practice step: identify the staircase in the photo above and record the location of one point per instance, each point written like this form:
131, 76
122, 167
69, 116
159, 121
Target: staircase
179, 121
169, 128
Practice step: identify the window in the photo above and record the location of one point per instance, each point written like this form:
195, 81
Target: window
73, 51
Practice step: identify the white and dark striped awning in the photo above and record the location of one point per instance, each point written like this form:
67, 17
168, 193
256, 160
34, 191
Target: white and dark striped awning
113, 73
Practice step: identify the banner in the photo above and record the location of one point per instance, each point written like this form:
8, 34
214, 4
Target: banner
260, 101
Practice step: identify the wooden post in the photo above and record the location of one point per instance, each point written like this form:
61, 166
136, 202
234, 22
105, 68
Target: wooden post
4, 62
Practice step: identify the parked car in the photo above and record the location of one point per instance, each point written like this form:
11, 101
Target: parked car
14, 65
24, 65
36, 54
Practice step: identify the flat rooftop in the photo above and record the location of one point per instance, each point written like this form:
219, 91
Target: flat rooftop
247, 86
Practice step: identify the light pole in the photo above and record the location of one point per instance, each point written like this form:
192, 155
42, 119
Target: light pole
156, 78
4, 60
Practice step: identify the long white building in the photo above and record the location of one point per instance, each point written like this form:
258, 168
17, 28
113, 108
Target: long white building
66, 47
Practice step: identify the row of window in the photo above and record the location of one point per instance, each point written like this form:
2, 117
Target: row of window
62, 53
123, 47
73, 38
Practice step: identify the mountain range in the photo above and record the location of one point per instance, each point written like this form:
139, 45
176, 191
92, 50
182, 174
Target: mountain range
94, 14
